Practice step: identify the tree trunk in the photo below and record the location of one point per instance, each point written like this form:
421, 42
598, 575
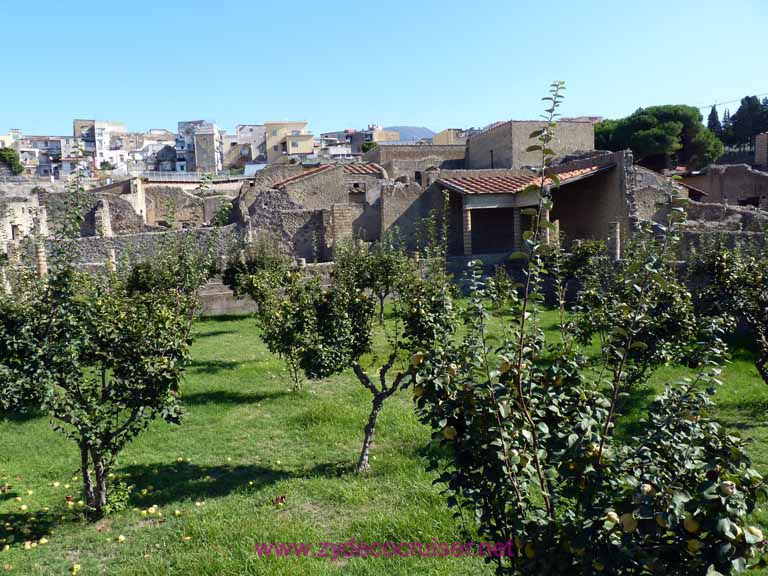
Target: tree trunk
381, 308
87, 481
100, 492
762, 364
370, 428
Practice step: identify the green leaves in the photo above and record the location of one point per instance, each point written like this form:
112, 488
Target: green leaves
100, 360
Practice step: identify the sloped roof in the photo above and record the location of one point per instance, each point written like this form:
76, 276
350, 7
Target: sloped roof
305, 174
363, 168
514, 183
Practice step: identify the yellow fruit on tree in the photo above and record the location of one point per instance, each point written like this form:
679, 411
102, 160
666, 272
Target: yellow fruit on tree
530, 551
449, 433
695, 545
754, 531
691, 525
628, 522
612, 517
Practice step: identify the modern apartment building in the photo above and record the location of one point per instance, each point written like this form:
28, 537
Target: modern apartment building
287, 139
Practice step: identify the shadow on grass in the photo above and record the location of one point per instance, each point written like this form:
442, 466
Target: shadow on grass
15, 528
19, 417
184, 481
228, 397
635, 404
181, 481
213, 333
224, 318
212, 366
745, 414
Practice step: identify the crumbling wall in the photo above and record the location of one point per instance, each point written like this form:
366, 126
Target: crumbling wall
320, 190
736, 184
172, 204
95, 249
717, 217
404, 206
303, 232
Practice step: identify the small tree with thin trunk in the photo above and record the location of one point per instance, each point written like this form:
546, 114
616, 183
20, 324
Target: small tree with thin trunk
96, 354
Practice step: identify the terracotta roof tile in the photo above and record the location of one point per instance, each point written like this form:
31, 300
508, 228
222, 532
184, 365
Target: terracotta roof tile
303, 175
363, 168
510, 184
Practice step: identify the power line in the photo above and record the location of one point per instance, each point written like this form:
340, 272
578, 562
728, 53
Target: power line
729, 101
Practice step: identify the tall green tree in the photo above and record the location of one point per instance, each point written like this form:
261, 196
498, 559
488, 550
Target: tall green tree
748, 121
659, 135
713, 122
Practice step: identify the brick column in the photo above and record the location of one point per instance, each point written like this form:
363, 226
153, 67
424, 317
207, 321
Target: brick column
517, 230
467, 228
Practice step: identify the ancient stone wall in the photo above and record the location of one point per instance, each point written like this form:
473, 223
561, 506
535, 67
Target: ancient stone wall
96, 249
505, 145
404, 207
304, 233
172, 204
321, 190
736, 184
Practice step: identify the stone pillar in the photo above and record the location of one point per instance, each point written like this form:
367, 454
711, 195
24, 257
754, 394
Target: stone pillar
546, 236
14, 259
103, 219
41, 260
517, 230
5, 235
467, 230
5, 286
761, 150
556, 232
111, 260
614, 241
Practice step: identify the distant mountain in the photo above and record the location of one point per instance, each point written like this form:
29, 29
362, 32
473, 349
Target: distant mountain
412, 132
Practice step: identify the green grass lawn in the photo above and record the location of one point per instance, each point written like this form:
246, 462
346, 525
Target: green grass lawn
247, 439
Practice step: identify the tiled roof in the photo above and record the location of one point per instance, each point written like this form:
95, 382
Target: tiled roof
303, 175
511, 184
363, 168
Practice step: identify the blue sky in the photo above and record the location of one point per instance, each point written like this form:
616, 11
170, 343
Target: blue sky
347, 63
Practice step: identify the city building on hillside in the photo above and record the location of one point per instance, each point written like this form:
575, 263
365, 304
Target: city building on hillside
357, 139
95, 137
199, 147
288, 139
